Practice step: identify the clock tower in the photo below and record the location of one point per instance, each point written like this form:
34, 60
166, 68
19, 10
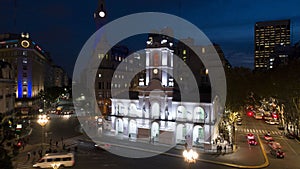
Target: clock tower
100, 14
159, 66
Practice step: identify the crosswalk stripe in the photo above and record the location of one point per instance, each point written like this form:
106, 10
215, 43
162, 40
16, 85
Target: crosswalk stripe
257, 131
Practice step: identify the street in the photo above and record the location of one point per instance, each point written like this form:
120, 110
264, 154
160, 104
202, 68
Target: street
88, 156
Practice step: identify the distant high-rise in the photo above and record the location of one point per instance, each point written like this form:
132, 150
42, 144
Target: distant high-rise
270, 35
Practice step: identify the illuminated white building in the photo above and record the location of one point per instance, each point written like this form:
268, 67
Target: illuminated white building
156, 115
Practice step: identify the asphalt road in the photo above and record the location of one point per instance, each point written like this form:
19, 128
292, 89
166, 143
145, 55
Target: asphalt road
57, 127
291, 147
90, 157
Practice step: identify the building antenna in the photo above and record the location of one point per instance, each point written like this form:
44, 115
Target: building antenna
15, 15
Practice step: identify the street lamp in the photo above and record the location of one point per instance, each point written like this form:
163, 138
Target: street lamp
190, 156
42, 120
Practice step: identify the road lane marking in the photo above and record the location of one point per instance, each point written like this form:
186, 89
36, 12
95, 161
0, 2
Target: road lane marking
290, 147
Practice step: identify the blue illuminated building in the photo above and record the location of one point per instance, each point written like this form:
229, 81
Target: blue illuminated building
30, 63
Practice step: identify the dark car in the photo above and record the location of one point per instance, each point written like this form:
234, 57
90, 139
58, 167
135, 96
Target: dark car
281, 127
278, 153
290, 135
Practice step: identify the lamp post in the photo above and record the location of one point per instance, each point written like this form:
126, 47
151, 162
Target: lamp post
190, 156
42, 120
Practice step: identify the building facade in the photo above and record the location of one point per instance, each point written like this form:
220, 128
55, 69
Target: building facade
7, 90
155, 114
60, 77
31, 64
268, 36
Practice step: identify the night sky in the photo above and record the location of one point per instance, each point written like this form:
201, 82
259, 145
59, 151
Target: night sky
61, 27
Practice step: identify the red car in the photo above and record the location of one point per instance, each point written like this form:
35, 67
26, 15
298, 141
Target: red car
252, 142
250, 136
268, 137
278, 153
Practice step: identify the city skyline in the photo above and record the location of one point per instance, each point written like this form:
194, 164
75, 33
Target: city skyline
227, 23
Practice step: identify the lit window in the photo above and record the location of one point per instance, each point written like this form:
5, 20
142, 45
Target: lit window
100, 56
99, 75
184, 52
203, 50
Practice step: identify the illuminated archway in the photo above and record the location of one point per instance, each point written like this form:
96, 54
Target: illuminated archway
132, 129
155, 110
198, 135
199, 114
154, 131
181, 112
119, 126
180, 134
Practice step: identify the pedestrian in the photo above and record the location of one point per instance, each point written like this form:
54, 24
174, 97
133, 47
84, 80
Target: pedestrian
231, 145
40, 153
64, 147
225, 148
75, 148
34, 153
56, 143
28, 155
185, 145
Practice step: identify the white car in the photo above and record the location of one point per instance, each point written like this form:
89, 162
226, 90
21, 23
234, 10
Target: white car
272, 122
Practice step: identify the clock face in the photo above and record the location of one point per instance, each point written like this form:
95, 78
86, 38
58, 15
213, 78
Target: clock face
155, 71
102, 14
25, 44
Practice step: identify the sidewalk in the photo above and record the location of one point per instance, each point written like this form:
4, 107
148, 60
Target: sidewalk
238, 157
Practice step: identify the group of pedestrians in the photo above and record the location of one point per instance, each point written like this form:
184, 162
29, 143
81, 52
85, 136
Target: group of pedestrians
220, 148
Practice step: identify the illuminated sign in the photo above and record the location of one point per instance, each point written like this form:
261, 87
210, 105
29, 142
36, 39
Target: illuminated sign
25, 44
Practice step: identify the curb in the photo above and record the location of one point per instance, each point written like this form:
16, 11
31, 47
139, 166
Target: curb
265, 164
